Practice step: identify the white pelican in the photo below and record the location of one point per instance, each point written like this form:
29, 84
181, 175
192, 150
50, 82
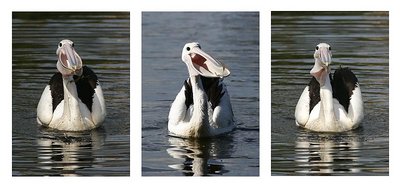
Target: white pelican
73, 99
330, 103
202, 108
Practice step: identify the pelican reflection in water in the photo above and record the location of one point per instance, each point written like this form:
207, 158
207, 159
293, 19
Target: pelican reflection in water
64, 153
201, 157
327, 154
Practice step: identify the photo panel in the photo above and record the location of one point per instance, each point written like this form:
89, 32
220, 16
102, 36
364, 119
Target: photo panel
70, 94
330, 67
222, 93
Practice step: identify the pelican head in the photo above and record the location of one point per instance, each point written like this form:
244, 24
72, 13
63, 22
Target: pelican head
322, 56
200, 63
69, 63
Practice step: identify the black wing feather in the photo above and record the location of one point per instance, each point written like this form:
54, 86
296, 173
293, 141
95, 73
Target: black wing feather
313, 91
213, 88
85, 85
343, 83
57, 90
188, 93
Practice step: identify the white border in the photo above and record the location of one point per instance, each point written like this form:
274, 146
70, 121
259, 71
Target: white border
136, 7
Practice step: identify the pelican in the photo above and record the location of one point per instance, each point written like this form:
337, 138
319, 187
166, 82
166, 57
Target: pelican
73, 99
202, 108
330, 102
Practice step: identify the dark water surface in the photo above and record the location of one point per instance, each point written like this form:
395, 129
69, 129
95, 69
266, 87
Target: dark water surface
359, 40
233, 38
102, 41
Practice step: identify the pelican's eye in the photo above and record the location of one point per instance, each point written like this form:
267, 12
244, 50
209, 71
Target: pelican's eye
329, 48
188, 48
60, 44
72, 44
317, 47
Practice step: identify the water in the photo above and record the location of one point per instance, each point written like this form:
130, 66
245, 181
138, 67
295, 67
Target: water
359, 40
223, 36
102, 41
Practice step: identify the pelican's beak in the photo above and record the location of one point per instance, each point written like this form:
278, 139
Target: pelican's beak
69, 62
205, 65
325, 56
323, 60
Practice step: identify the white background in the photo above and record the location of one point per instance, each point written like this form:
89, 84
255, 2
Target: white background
136, 7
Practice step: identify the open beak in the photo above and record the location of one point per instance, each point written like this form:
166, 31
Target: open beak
205, 65
70, 61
